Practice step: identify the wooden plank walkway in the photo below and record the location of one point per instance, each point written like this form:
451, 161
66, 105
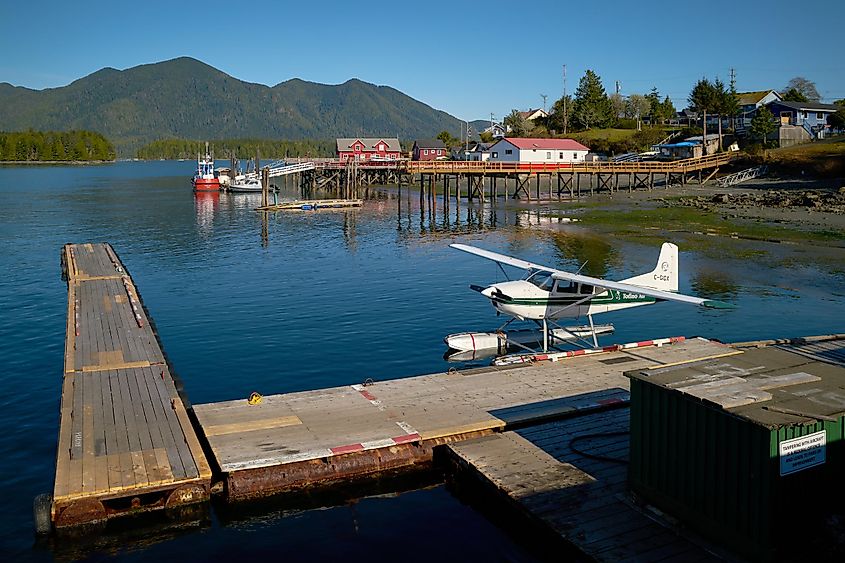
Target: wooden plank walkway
489, 168
544, 474
296, 440
125, 440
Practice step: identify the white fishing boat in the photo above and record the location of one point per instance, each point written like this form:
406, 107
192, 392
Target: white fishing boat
501, 342
241, 184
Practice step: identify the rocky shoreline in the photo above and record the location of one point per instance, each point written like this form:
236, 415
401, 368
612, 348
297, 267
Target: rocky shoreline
824, 201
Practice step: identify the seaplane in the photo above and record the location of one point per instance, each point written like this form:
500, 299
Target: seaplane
545, 295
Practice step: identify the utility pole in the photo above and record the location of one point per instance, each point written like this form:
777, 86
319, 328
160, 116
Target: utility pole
617, 87
733, 89
466, 148
565, 115
544, 96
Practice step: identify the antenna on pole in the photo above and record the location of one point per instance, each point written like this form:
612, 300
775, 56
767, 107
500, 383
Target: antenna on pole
617, 87
544, 96
733, 79
565, 115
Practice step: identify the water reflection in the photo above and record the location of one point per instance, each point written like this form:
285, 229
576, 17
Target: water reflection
594, 255
714, 284
205, 204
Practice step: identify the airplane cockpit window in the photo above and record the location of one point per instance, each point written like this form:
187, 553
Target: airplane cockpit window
541, 279
567, 287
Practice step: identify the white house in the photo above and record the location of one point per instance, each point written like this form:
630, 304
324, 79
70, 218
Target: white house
497, 130
533, 114
539, 151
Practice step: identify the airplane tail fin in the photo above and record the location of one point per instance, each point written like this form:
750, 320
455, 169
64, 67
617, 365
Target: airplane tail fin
665, 274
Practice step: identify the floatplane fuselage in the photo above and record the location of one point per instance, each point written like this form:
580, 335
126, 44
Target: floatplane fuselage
546, 294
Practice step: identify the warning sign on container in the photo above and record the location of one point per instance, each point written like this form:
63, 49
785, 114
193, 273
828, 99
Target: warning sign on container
802, 453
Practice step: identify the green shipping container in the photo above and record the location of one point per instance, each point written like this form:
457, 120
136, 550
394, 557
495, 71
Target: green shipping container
746, 449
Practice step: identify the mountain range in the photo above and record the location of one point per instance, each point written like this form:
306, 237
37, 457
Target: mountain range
186, 98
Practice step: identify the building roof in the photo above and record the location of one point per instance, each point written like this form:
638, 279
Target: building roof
523, 143
809, 106
429, 144
369, 143
530, 112
753, 98
481, 147
698, 138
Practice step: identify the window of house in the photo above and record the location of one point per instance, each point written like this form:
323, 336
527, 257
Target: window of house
575, 156
381, 147
548, 155
357, 148
425, 152
495, 155
438, 152
560, 156
508, 151
804, 114
819, 115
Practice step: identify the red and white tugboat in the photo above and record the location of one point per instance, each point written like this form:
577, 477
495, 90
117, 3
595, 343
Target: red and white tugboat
204, 179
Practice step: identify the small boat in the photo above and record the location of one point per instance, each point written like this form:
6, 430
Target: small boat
241, 184
205, 179
501, 342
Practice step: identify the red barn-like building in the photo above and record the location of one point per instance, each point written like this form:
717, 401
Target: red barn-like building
368, 149
429, 149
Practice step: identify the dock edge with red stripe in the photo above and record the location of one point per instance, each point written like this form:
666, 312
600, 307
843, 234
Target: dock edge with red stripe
557, 356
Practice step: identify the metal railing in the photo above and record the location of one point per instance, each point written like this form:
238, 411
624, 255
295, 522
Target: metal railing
284, 170
737, 177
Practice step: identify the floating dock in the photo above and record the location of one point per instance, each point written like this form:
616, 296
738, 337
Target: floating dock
312, 204
544, 475
126, 443
296, 440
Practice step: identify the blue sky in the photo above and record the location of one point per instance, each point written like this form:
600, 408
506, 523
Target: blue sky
466, 58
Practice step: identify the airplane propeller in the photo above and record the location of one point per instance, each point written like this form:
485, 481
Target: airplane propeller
491, 292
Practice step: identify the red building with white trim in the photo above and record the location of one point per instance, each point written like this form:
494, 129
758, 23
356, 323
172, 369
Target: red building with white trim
365, 149
429, 149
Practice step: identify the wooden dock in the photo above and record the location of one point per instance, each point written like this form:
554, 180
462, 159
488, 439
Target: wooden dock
561, 179
126, 443
569, 476
296, 440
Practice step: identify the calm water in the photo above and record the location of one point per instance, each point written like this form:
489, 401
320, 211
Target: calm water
314, 300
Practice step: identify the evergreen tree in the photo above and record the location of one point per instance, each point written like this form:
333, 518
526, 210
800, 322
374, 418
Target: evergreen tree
837, 120
763, 124
517, 125
793, 95
561, 114
703, 98
592, 107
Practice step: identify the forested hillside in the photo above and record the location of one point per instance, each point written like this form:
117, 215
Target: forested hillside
185, 98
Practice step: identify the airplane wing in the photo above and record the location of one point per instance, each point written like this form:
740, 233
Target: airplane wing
501, 258
597, 282
631, 288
